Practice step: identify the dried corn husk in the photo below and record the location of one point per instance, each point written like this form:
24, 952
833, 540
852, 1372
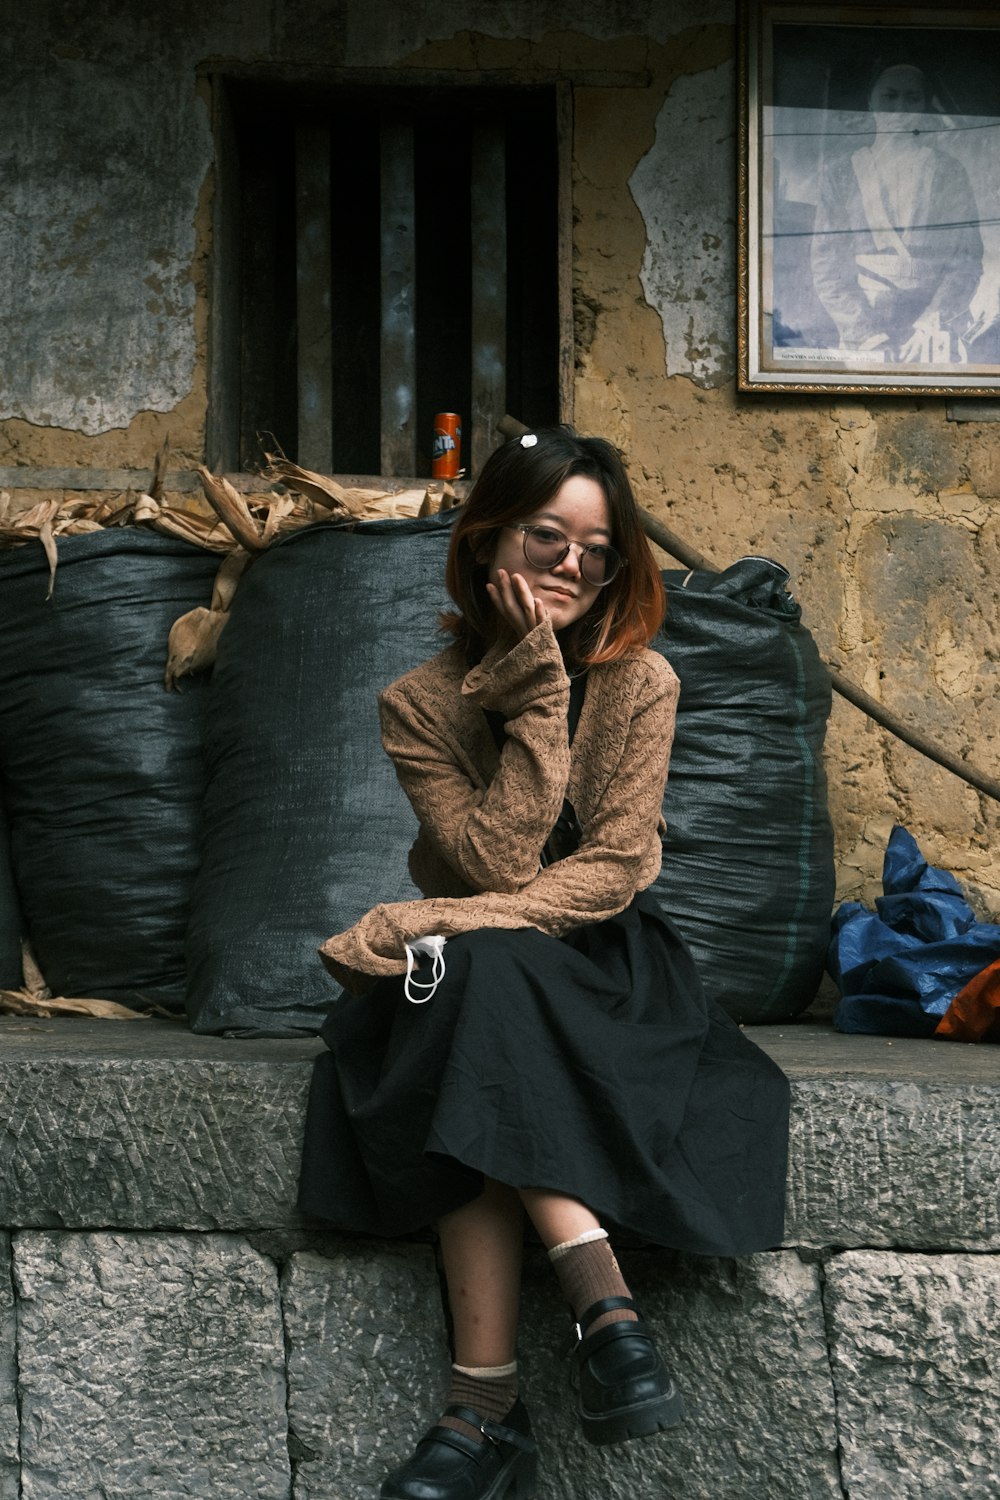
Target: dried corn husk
50, 519
23, 1003
175, 520
319, 488
34, 980
160, 470
36, 999
362, 504
194, 638
80, 527
281, 508
247, 524
192, 644
227, 578
231, 508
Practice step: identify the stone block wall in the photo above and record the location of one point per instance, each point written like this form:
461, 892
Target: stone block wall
169, 1327
168, 1364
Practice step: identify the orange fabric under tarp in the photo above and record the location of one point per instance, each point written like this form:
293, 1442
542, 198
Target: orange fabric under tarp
974, 1014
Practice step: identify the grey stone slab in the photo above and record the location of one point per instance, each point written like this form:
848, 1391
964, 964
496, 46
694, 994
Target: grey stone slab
367, 1364
894, 1141
143, 1125
146, 1143
745, 1341
810, 1049
902, 1163
914, 1342
10, 1466
150, 1366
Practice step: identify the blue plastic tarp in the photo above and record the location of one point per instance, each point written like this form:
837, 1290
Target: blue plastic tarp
899, 968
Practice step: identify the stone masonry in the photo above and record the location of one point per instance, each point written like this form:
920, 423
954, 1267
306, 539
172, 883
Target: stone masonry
169, 1327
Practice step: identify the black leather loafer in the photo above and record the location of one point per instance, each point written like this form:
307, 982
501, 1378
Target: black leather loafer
624, 1390
448, 1465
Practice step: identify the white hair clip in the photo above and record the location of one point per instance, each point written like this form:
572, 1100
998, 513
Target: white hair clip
529, 440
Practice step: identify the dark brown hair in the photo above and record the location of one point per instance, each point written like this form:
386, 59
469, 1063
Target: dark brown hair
517, 481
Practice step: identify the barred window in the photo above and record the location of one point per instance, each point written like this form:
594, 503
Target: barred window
382, 254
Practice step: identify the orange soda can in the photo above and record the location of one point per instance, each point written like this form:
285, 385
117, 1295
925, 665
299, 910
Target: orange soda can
446, 451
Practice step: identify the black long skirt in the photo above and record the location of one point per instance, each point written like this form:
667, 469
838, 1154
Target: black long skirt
591, 1065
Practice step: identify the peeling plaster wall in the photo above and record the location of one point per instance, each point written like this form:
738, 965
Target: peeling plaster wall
104, 153
885, 512
685, 189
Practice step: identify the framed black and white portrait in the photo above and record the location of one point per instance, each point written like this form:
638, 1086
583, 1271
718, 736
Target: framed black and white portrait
869, 198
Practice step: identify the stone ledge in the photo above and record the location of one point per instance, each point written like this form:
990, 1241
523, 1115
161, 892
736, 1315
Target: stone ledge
143, 1125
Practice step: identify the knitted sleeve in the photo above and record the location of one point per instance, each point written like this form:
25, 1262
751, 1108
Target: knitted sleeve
619, 855
491, 837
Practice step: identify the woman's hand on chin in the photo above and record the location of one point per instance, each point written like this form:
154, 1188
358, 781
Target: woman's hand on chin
515, 603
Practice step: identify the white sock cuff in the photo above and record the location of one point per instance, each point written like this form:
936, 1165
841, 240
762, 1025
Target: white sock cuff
581, 1239
488, 1372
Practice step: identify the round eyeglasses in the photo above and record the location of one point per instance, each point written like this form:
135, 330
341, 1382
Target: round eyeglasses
545, 547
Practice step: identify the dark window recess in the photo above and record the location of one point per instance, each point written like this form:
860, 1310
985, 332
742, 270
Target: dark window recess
396, 254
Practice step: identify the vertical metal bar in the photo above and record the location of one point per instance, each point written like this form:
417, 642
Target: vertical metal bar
312, 281
222, 447
399, 331
567, 353
489, 290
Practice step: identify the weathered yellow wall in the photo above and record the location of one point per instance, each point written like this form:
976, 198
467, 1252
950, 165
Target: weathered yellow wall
885, 512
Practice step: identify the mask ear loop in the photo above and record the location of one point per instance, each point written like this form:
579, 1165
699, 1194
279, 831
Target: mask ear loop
434, 946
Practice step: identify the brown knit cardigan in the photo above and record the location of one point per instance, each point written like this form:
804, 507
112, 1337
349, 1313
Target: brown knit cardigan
485, 815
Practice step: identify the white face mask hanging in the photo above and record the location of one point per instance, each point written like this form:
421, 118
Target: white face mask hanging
431, 947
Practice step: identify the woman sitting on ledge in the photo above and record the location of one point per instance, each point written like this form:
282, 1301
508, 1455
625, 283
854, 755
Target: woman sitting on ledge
531, 1037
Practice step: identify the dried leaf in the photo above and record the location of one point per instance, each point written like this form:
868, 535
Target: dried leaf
23, 1003
280, 507
116, 512
34, 979
319, 487
79, 526
146, 509
229, 574
231, 508
192, 643
35, 518
160, 470
99, 510
48, 541
213, 536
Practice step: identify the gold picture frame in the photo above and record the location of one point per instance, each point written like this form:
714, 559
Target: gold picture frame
869, 199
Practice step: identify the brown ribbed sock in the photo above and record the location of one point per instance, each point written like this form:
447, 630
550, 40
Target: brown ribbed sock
588, 1272
490, 1391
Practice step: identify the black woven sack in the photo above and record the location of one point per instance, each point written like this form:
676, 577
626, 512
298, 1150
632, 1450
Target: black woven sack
10, 915
101, 765
306, 827
748, 855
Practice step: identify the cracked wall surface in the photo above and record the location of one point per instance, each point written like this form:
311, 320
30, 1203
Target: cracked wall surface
885, 512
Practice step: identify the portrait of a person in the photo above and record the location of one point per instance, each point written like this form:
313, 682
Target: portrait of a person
896, 251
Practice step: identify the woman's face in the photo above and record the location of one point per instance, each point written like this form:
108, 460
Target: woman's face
899, 98
580, 511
